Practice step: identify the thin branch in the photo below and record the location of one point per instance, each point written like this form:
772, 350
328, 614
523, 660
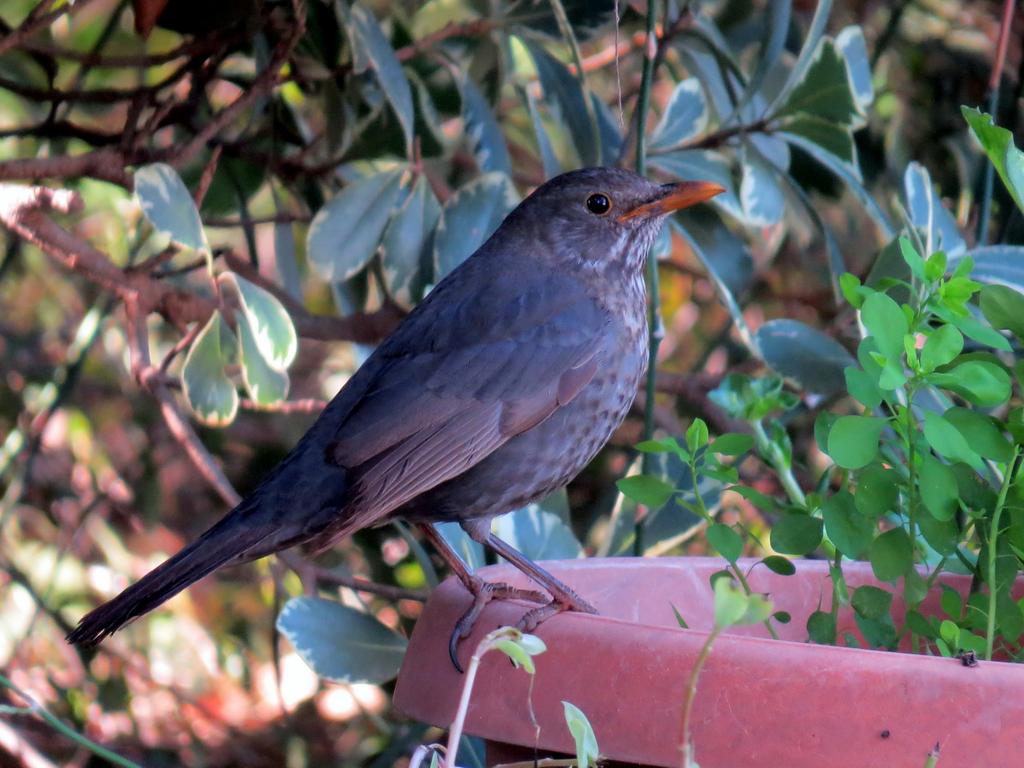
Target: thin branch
326, 576
994, 82
40, 18
307, 405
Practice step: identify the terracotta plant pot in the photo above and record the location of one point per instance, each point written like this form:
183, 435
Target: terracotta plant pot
760, 702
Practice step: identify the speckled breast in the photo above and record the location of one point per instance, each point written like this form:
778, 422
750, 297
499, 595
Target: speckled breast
532, 465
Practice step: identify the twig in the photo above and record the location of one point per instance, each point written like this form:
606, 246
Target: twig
40, 18
37, 709
993, 106
191, 49
277, 218
691, 696
327, 576
307, 405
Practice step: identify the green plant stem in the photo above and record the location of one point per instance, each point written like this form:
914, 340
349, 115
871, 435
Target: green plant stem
35, 708
653, 289
909, 429
993, 541
783, 471
691, 696
455, 732
702, 510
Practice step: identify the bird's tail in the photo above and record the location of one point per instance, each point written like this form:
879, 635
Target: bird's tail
234, 538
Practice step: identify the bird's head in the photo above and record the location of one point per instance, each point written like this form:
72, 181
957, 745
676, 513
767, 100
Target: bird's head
602, 216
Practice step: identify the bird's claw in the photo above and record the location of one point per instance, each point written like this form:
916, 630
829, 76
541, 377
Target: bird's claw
483, 592
534, 617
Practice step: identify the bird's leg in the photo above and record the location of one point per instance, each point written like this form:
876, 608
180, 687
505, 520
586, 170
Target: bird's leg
563, 596
482, 591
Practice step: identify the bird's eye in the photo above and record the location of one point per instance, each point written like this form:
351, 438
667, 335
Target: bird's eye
599, 204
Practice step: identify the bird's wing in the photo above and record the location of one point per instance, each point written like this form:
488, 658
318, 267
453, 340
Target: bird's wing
458, 380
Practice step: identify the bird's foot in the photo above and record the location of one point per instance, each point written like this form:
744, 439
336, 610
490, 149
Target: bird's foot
534, 617
483, 592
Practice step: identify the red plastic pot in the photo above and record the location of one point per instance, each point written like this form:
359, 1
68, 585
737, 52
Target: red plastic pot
760, 702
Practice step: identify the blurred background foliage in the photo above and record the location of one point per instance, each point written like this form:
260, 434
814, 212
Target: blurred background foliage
346, 156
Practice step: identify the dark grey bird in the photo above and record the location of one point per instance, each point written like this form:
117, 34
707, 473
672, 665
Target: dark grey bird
497, 389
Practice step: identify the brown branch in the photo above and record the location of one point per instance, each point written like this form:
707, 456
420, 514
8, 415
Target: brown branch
106, 164
38, 20
186, 436
191, 49
306, 569
277, 218
307, 405
692, 391
262, 85
95, 95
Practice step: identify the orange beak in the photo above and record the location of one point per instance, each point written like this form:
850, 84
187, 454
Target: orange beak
676, 197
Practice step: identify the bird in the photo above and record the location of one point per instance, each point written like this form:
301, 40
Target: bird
493, 392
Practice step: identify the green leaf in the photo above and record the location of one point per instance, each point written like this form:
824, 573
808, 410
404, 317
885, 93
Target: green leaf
848, 529
469, 217
167, 204
981, 382
824, 91
726, 541
821, 627
927, 212
877, 491
886, 323
567, 101
341, 643
265, 384
853, 440
941, 347
862, 387
345, 233
951, 602
850, 42
919, 625
760, 194
549, 160
911, 257
731, 444
208, 390
732, 606
696, 435
946, 440
1003, 307
482, 129
373, 51
405, 241
805, 354
871, 602
538, 534
685, 116
270, 322
998, 145
587, 752
980, 332
780, 565
981, 432
941, 535
652, 492
829, 143
938, 488
796, 534
891, 555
